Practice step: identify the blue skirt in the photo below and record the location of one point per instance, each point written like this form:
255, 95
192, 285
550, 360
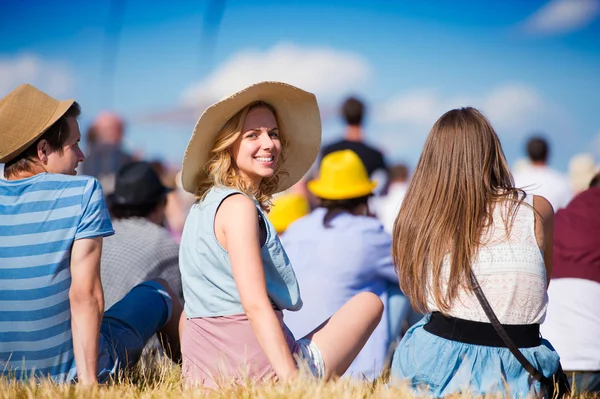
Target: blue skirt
438, 367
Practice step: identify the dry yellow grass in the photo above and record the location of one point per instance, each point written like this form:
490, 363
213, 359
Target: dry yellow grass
164, 381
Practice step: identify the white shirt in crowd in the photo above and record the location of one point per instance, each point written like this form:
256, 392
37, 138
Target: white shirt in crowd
545, 181
572, 322
389, 206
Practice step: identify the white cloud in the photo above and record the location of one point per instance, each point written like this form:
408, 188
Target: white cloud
562, 16
513, 105
51, 76
515, 110
324, 71
421, 107
510, 107
418, 107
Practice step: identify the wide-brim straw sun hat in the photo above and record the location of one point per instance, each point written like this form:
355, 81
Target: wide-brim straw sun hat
25, 114
298, 119
342, 176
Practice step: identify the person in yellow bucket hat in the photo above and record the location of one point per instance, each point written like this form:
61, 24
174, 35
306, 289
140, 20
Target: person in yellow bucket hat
342, 176
287, 208
349, 253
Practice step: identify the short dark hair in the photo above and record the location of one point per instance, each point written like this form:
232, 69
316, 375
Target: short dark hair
537, 149
337, 207
595, 181
134, 211
56, 136
353, 111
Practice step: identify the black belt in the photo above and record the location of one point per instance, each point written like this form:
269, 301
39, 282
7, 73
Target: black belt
478, 333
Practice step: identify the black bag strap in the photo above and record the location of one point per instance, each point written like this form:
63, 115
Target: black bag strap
504, 336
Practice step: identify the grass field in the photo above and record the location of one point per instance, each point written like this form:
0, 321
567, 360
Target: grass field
164, 381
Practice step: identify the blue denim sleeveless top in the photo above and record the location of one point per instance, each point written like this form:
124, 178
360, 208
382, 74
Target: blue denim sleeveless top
206, 276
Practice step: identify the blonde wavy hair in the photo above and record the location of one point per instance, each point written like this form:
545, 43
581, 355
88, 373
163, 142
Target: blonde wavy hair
221, 168
461, 175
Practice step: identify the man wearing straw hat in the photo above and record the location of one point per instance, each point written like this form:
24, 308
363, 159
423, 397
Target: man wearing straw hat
51, 227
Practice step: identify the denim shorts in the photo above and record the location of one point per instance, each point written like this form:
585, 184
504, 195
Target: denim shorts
129, 324
308, 352
439, 367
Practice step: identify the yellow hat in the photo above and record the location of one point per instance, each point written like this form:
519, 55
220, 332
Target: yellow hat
287, 208
342, 176
25, 114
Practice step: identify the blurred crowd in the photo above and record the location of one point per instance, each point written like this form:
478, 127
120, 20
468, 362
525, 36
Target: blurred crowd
105, 155
353, 191
108, 161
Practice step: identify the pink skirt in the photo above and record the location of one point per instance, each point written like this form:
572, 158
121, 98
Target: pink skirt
218, 350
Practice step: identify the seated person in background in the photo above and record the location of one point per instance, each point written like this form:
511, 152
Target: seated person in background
388, 206
51, 227
286, 209
573, 319
538, 178
463, 215
582, 169
105, 150
142, 249
353, 112
339, 251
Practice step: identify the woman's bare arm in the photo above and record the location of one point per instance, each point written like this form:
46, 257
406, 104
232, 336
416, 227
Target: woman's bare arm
236, 227
544, 230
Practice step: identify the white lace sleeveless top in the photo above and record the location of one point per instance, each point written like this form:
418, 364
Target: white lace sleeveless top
511, 273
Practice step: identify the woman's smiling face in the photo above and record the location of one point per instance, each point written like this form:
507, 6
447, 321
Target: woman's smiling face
257, 150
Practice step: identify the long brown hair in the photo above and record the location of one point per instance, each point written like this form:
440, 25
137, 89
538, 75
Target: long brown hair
461, 175
221, 168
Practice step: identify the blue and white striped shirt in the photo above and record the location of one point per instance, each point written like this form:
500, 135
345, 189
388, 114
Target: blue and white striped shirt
40, 218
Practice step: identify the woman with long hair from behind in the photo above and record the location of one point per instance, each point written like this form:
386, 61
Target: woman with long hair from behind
462, 213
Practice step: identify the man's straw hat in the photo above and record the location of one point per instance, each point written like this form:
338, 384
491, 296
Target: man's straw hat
25, 114
298, 120
342, 176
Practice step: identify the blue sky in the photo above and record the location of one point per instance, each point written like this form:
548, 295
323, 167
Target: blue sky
531, 66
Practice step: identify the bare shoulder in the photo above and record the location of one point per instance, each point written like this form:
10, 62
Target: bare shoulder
544, 207
237, 203
235, 218
238, 208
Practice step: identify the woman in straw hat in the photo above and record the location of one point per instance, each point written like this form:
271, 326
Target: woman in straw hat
236, 276
462, 225
350, 253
